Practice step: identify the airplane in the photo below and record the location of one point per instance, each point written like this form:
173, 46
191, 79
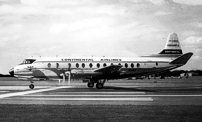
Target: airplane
97, 70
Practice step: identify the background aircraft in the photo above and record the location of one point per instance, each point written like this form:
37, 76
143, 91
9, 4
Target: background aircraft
99, 69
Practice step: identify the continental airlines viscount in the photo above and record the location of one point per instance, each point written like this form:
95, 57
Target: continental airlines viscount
96, 70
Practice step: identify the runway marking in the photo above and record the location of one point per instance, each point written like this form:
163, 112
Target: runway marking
106, 92
77, 95
30, 92
14, 88
4, 91
114, 95
171, 95
94, 99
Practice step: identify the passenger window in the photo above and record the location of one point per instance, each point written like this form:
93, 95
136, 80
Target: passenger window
69, 65
57, 65
119, 64
49, 65
138, 65
77, 65
104, 65
157, 64
126, 65
90, 65
112, 64
132, 65
83, 65
98, 65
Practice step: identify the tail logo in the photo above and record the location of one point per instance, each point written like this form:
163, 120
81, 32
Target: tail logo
172, 45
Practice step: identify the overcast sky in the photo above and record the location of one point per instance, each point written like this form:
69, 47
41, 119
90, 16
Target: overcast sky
97, 27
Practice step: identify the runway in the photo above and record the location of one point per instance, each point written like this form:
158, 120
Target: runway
110, 95
115, 102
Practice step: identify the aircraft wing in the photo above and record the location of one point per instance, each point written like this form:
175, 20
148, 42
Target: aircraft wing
112, 68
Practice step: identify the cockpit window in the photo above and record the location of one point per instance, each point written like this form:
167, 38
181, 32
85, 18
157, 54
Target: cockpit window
28, 61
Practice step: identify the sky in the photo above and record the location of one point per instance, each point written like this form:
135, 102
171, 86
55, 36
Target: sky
118, 28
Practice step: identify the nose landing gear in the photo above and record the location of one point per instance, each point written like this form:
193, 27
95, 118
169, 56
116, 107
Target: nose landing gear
31, 86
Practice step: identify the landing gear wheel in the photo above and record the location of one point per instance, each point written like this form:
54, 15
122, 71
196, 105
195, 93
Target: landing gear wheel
90, 85
31, 86
99, 85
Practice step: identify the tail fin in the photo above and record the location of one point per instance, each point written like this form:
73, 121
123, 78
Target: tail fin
182, 60
172, 46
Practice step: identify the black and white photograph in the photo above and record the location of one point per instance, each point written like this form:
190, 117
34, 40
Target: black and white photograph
100, 60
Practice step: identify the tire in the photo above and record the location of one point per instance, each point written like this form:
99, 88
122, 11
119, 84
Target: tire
31, 86
99, 85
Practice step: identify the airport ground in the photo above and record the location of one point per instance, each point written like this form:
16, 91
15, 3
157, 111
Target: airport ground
120, 100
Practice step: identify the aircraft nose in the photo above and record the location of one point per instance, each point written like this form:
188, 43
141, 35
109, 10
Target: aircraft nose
11, 72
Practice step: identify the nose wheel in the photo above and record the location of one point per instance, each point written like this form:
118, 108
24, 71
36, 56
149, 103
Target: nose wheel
31, 86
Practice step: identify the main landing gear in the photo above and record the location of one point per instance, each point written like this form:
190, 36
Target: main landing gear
99, 83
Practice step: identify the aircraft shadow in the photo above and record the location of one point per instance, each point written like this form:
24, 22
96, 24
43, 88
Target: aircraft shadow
128, 89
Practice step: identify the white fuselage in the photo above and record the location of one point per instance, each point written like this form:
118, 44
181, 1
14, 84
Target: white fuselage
84, 67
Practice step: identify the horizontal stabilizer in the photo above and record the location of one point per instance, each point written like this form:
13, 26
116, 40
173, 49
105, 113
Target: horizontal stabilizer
182, 59
111, 68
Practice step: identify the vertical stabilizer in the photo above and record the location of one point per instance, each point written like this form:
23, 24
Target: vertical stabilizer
172, 46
